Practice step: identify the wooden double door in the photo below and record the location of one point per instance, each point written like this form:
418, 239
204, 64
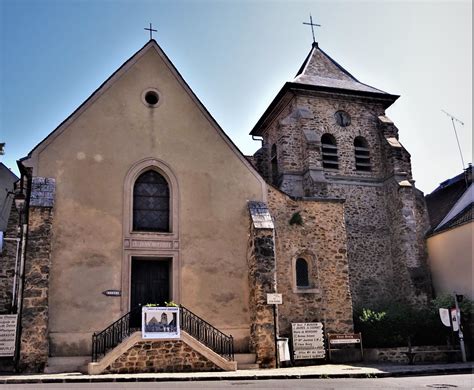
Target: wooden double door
150, 284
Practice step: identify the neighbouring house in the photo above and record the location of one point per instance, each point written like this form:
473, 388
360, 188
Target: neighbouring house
450, 238
7, 181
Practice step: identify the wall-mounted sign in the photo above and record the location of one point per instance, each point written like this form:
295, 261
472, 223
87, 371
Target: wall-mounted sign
112, 293
308, 340
8, 334
160, 323
274, 299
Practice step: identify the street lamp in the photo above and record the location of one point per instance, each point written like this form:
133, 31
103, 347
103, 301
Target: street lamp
20, 200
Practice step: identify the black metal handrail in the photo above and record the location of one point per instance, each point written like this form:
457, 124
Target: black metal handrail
207, 334
194, 325
113, 335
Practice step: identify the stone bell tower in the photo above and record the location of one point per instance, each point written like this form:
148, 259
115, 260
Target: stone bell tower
326, 135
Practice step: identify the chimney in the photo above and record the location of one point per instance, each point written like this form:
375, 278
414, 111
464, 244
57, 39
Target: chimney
468, 174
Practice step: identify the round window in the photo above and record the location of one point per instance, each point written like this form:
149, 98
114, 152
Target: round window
151, 97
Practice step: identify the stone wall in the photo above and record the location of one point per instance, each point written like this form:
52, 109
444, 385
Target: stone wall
397, 355
161, 356
34, 318
385, 221
262, 280
321, 241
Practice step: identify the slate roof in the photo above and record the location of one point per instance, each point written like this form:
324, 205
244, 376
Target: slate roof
445, 199
319, 72
319, 69
260, 215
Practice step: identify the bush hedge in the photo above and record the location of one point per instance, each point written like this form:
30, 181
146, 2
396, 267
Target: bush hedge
392, 325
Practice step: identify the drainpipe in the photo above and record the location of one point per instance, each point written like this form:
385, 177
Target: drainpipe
15, 276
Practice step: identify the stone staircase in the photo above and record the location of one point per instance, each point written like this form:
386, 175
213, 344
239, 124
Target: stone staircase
246, 361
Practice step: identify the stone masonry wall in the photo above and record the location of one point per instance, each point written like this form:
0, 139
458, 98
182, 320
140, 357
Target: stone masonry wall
262, 280
34, 320
7, 263
397, 355
384, 220
321, 241
161, 356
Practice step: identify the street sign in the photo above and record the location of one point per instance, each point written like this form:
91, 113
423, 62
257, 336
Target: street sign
274, 299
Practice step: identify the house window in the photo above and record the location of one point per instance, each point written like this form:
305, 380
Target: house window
362, 154
274, 162
302, 277
151, 203
329, 151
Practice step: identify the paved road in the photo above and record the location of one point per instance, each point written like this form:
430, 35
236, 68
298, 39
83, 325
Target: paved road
450, 382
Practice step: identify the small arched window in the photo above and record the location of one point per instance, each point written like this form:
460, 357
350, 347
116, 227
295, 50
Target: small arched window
329, 151
274, 162
362, 154
302, 273
151, 203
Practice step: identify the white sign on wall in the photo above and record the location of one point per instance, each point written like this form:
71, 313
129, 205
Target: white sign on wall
274, 299
308, 340
8, 334
160, 323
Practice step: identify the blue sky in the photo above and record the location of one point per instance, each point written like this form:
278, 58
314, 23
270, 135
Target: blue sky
236, 55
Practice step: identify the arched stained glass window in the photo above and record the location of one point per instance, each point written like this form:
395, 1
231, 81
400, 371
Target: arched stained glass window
302, 277
151, 203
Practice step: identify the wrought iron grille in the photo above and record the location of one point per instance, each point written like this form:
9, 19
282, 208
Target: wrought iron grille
207, 334
113, 335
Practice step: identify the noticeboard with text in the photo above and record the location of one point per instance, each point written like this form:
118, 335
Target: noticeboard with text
308, 340
8, 334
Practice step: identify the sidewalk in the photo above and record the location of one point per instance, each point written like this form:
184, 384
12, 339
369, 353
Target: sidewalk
322, 371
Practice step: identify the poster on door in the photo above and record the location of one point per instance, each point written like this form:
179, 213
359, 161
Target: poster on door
160, 323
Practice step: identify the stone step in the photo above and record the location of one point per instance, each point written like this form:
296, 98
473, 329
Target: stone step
245, 358
247, 366
59, 364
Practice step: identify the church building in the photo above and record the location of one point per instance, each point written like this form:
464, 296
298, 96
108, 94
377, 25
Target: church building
139, 197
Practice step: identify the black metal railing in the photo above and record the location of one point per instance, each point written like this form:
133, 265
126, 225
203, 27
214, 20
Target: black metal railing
114, 334
207, 334
194, 325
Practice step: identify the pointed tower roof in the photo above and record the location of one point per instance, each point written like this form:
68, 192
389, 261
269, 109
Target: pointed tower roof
319, 69
319, 72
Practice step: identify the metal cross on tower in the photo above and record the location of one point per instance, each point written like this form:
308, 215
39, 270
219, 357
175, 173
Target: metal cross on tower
151, 31
312, 26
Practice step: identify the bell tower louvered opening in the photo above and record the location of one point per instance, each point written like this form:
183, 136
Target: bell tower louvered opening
329, 152
362, 154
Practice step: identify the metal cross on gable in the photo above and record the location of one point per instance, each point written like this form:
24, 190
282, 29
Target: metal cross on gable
312, 26
151, 31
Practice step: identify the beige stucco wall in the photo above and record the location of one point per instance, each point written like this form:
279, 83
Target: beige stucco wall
451, 261
90, 160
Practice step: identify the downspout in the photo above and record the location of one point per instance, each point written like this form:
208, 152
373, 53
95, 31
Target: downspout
21, 281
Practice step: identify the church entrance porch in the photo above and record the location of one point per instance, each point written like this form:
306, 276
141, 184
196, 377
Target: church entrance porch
150, 284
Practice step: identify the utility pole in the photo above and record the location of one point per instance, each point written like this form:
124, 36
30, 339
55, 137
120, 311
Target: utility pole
460, 334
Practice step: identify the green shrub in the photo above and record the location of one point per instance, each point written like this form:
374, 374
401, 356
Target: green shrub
393, 324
